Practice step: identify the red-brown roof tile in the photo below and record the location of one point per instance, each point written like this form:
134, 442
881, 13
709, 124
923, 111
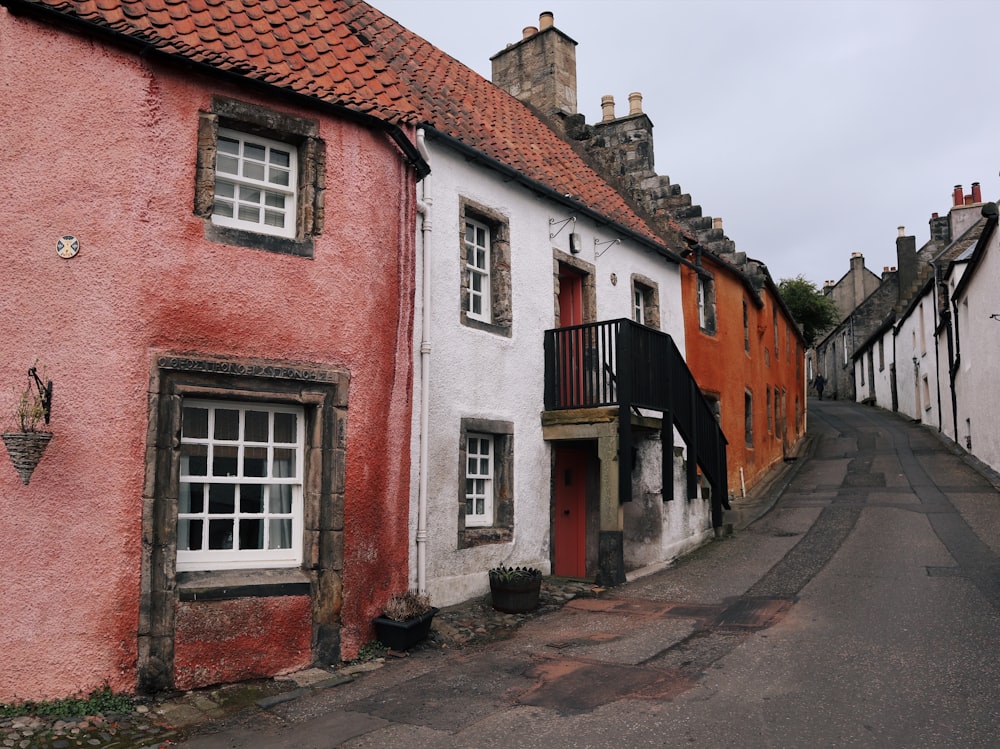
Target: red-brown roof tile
348, 53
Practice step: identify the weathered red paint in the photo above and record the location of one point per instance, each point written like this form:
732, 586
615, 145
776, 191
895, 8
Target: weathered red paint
226, 641
107, 153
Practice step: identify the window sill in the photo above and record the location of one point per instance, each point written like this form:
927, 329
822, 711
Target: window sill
255, 241
224, 585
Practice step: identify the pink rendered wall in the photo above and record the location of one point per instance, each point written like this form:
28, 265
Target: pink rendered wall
97, 143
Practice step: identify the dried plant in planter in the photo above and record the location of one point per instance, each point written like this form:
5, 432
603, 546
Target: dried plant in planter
404, 606
27, 444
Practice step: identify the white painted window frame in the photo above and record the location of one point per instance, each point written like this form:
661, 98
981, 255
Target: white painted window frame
267, 187
479, 475
221, 559
478, 257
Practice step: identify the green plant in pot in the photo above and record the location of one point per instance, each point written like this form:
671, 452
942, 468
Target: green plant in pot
515, 590
27, 439
405, 621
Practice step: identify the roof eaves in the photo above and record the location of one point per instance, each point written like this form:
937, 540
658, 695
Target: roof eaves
541, 188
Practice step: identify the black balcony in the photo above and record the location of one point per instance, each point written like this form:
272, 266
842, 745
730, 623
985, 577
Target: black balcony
624, 364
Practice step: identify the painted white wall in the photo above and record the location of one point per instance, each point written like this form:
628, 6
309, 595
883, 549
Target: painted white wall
916, 365
976, 380
478, 374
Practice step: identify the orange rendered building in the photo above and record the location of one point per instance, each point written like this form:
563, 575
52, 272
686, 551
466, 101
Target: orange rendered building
747, 354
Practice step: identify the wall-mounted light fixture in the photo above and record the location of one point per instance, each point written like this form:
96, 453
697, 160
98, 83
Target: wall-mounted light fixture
575, 243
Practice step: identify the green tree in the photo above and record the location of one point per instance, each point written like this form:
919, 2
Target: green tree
810, 307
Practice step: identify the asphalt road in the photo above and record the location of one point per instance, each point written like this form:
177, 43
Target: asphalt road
861, 611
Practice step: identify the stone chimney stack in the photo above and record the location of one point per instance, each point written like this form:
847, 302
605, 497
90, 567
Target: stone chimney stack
940, 229
540, 69
906, 262
965, 210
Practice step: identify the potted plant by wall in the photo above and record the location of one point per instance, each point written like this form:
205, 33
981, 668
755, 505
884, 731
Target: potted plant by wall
27, 444
515, 590
405, 621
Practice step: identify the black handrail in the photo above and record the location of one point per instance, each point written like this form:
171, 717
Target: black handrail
621, 363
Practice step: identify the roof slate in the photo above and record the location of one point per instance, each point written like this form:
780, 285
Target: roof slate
348, 53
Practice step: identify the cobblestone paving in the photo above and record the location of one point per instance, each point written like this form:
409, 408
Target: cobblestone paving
160, 724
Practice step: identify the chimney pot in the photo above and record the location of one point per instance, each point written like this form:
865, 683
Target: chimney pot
901, 230
893, 269
885, 268
635, 103
546, 20
957, 198
529, 31
977, 196
934, 215
717, 223
607, 108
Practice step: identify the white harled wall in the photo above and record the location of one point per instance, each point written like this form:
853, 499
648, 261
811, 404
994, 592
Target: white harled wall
477, 374
977, 377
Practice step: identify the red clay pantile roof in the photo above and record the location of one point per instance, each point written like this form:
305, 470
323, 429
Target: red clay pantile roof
348, 53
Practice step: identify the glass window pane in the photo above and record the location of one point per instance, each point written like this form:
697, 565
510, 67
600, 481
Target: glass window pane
189, 534
195, 423
225, 189
224, 460
280, 158
279, 499
253, 170
251, 533
254, 151
255, 461
227, 424
222, 209
249, 195
249, 213
481, 236
228, 145
280, 533
284, 463
222, 499
278, 177
194, 460
227, 165
274, 219
220, 533
470, 234
252, 498
284, 427
274, 200
255, 424
191, 499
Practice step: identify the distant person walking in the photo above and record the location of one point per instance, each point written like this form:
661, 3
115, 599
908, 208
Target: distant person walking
820, 383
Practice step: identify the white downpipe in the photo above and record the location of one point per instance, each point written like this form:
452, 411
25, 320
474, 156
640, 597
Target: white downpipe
424, 209
743, 483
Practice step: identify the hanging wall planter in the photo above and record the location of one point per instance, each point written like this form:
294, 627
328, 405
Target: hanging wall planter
27, 445
25, 450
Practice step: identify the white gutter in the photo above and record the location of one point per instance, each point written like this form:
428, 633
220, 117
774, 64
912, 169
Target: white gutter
424, 209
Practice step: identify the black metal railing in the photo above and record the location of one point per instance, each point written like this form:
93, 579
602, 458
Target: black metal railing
621, 363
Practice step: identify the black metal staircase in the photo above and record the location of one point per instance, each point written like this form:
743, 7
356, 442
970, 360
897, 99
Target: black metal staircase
624, 364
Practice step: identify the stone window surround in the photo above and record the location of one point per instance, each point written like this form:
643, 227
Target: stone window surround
322, 392
254, 119
705, 293
502, 528
501, 301
650, 298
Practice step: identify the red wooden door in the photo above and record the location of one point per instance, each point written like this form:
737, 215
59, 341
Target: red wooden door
570, 385
571, 511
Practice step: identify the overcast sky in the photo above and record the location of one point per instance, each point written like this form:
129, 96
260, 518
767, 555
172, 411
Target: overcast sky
813, 128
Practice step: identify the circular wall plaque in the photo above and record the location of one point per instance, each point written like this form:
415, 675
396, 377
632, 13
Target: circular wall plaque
68, 246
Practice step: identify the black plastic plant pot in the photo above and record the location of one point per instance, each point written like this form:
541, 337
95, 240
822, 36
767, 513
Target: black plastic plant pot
515, 596
403, 635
